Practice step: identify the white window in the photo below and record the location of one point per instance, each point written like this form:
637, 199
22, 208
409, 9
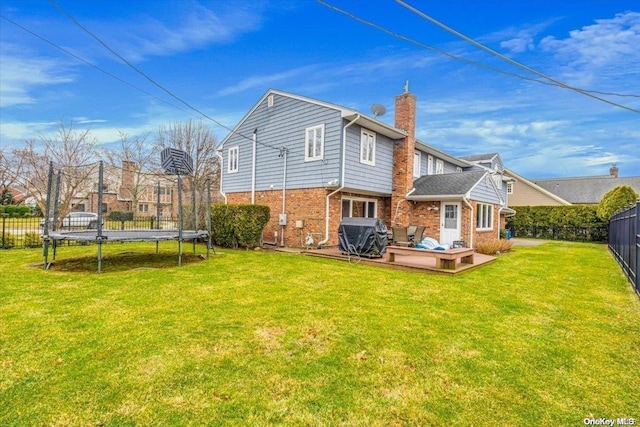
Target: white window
439, 166
416, 164
359, 208
484, 217
509, 187
270, 101
497, 178
368, 147
234, 154
143, 207
458, 169
430, 165
314, 144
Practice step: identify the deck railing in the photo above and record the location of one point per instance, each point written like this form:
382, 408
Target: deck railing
624, 242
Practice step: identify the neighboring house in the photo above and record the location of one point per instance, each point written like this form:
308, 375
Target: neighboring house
314, 162
583, 190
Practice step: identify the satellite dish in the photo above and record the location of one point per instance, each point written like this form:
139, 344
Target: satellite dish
378, 110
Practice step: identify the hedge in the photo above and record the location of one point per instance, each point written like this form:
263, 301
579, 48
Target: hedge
234, 226
577, 222
120, 216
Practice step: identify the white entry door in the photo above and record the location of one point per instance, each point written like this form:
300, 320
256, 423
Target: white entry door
450, 224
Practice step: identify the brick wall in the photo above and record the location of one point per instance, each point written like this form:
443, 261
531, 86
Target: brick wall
403, 152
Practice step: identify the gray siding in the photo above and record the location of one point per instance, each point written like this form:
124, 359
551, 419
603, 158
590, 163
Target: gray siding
284, 125
484, 191
448, 167
364, 177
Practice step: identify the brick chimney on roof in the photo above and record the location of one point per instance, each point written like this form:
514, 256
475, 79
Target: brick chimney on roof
403, 155
613, 171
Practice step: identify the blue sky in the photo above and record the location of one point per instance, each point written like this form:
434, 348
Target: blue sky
222, 56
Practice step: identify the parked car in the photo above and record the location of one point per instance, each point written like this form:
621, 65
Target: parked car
77, 219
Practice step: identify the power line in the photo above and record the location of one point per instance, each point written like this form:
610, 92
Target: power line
146, 76
462, 59
509, 60
87, 62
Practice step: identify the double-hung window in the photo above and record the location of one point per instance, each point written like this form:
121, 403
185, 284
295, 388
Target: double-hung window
439, 166
368, 147
417, 157
234, 154
430, 165
314, 143
484, 216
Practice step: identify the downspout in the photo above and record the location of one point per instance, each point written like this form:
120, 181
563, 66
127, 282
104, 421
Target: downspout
219, 154
284, 193
253, 169
328, 198
464, 199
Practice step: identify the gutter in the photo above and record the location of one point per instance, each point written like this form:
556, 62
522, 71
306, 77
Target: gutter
219, 154
328, 198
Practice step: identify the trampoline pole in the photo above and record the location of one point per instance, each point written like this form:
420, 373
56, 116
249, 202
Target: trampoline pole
99, 255
179, 221
47, 210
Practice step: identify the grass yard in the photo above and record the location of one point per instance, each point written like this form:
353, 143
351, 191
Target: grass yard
545, 335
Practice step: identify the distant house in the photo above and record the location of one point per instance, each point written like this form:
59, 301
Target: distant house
584, 190
314, 163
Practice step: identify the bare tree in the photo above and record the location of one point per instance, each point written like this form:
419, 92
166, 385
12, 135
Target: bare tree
135, 159
72, 152
198, 140
11, 167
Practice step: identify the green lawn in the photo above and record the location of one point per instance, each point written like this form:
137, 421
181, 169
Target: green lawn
545, 335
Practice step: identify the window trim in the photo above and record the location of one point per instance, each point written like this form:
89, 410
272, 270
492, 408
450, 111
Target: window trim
439, 166
307, 141
484, 216
417, 160
234, 159
509, 187
430, 165
364, 147
359, 199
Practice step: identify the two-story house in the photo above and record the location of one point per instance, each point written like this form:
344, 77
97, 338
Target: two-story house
314, 163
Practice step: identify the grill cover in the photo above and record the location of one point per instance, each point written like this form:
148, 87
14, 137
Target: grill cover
364, 236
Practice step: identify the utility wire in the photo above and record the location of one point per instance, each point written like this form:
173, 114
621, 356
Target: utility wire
88, 63
509, 60
458, 58
146, 76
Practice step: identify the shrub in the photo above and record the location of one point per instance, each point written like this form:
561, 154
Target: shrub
615, 200
236, 226
120, 215
577, 222
32, 240
495, 246
7, 241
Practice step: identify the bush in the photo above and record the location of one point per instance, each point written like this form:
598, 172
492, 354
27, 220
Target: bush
577, 222
495, 246
16, 211
120, 216
617, 199
7, 241
234, 226
32, 240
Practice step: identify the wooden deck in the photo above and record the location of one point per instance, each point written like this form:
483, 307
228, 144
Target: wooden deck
403, 262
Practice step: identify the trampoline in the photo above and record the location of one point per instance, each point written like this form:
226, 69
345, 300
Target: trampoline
175, 162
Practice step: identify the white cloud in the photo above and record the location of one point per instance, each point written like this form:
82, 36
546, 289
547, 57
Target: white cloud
608, 47
518, 40
21, 75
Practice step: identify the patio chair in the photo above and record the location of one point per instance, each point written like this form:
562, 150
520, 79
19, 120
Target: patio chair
417, 235
400, 237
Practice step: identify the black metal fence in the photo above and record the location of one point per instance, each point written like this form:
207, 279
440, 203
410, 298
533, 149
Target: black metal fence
17, 233
624, 242
554, 232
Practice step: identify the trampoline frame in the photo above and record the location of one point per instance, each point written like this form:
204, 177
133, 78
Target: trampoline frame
100, 236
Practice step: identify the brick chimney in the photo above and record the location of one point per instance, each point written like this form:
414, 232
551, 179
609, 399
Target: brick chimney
613, 171
403, 154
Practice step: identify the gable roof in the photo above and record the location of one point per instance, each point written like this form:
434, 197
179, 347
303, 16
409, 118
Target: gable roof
429, 149
447, 186
525, 181
480, 157
346, 113
586, 189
